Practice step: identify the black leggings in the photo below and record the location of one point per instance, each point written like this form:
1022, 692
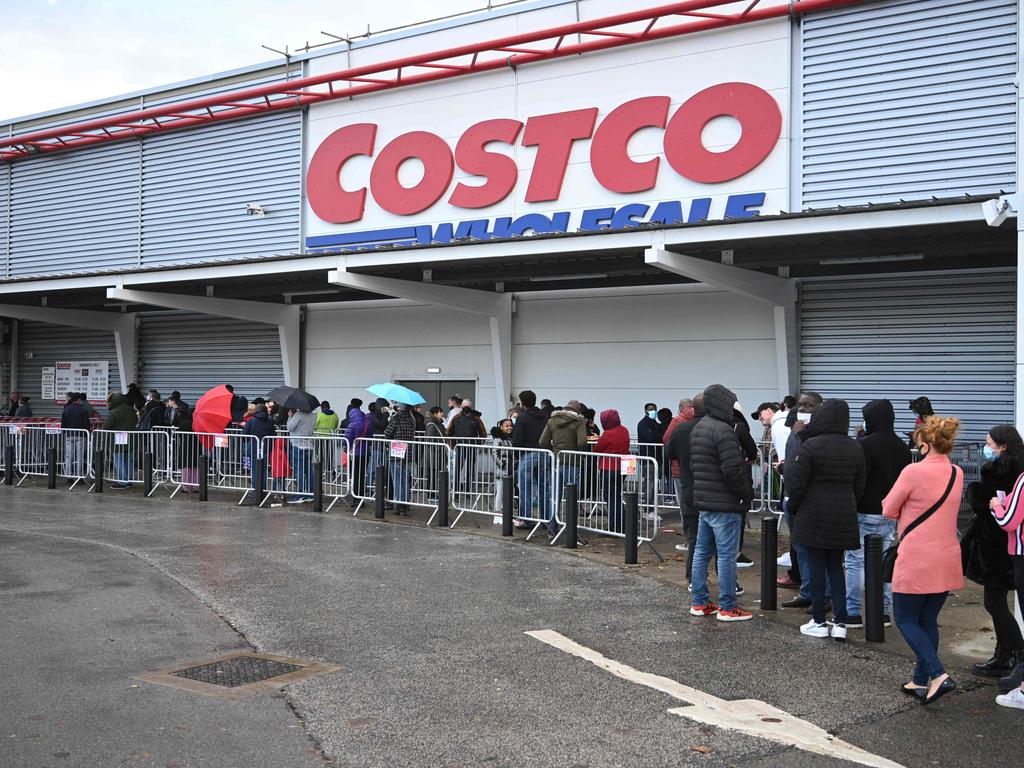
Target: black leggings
1008, 635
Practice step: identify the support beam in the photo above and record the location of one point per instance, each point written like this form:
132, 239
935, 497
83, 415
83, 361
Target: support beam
497, 307
121, 324
285, 316
779, 292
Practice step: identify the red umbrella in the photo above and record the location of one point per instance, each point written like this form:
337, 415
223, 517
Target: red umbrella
213, 411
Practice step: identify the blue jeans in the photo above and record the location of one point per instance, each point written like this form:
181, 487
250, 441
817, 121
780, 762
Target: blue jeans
719, 530
801, 557
301, 460
122, 467
826, 567
917, 617
534, 484
398, 469
855, 562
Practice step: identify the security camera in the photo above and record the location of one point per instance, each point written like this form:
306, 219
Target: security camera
996, 211
255, 209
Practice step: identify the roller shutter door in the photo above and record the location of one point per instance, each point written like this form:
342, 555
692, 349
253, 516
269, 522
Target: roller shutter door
49, 343
949, 337
191, 353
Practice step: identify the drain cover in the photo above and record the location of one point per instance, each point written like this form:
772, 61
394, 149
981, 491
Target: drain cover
239, 674
241, 670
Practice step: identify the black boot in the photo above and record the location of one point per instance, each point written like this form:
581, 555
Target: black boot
1014, 679
1000, 664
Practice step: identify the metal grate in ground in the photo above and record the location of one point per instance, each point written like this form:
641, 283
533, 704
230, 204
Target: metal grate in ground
240, 670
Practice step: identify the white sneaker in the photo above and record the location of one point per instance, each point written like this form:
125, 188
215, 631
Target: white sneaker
1013, 699
654, 518
784, 561
814, 629
839, 633
682, 547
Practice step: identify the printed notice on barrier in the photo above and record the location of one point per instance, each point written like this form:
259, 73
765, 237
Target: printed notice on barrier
120, 438
627, 466
16, 429
398, 450
220, 441
47, 384
89, 376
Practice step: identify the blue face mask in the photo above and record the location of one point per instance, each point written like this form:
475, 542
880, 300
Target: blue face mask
652, 414
990, 453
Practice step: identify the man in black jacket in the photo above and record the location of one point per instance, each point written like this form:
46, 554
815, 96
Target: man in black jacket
534, 467
75, 417
885, 456
806, 405
722, 492
678, 450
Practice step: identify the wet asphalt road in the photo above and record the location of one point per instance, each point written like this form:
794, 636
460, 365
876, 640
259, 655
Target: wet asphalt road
429, 629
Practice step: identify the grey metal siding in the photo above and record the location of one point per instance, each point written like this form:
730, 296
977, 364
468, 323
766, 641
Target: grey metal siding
195, 185
75, 212
49, 343
907, 99
191, 353
5, 178
948, 337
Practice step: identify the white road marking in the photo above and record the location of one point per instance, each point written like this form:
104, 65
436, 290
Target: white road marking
754, 718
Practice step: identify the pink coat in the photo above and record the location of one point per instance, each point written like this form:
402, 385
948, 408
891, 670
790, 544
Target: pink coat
1010, 518
929, 560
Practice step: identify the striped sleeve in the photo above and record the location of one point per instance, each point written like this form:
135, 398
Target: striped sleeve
1010, 517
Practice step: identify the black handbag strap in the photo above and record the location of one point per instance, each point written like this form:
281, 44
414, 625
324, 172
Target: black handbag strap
934, 508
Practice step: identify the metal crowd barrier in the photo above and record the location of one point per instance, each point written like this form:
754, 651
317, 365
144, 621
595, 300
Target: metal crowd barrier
73, 453
290, 463
969, 456
479, 471
412, 469
124, 456
230, 461
602, 480
663, 472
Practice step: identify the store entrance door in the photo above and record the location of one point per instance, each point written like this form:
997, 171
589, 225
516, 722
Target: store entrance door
437, 392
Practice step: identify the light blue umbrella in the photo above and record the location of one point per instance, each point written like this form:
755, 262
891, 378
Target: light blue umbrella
396, 392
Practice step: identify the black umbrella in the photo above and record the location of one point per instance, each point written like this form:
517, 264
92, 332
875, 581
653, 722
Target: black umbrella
294, 398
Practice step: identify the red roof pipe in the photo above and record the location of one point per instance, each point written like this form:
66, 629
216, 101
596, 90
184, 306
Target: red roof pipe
176, 110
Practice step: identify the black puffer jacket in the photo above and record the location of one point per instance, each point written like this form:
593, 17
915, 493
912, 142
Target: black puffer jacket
885, 455
994, 567
721, 477
826, 480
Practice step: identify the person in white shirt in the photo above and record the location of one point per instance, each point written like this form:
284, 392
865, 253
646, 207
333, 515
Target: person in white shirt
455, 406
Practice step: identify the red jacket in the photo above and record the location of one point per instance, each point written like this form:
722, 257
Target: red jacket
615, 439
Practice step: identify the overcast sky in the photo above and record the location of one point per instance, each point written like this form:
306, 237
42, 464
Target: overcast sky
56, 53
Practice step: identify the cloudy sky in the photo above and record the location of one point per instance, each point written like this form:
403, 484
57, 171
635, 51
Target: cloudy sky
61, 52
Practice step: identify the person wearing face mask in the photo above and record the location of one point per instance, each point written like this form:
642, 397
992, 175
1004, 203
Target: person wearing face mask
991, 566
800, 571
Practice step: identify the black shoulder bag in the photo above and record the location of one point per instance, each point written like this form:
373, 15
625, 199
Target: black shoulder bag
890, 555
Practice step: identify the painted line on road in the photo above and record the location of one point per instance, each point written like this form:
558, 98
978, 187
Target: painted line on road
749, 716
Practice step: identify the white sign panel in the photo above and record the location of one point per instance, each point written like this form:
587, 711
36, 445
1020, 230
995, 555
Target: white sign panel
90, 377
682, 130
46, 386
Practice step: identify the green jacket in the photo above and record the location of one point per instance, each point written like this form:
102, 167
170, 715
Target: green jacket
121, 417
565, 431
326, 423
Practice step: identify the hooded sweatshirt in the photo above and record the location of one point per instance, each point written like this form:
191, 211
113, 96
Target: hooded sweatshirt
566, 430
721, 478
326, 422
885, 455
615, 439
121, 417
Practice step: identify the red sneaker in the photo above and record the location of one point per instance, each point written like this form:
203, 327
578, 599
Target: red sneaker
703, 610
787, 583
736, 614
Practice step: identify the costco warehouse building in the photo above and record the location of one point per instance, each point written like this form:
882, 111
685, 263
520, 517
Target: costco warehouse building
553, 194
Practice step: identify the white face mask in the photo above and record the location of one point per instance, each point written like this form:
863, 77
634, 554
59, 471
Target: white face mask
804, 417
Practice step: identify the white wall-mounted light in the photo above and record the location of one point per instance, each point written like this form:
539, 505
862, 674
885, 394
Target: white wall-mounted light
433, 370
997, 211
255, 209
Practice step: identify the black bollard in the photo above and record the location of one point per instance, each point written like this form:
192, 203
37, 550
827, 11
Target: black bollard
874, 626
769, 554
98, 463
318, 486
507, 502
8, 465
442, 499
51, 468
204, 477
379, 483
147, 473
631, 524
261, 471
572, 516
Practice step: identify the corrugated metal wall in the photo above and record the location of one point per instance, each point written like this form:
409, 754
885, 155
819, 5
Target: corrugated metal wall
192, 353
49, 343
5, 179
171, 198
908, 99
947, 337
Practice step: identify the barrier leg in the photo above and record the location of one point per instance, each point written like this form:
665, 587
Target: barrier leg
572, 515
147, 473
318, 486
507, 501
204, 477
631, 524
379, 482
769, 547
51, 468
98, 462
874, 626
